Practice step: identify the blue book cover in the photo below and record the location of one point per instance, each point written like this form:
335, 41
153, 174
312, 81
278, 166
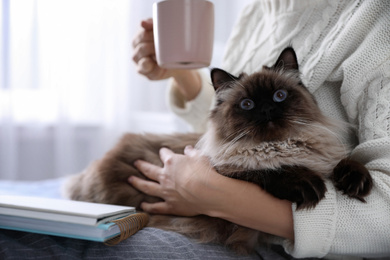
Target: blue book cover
99, 233
66, 218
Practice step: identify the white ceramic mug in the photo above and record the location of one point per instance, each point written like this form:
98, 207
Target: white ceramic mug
183, 33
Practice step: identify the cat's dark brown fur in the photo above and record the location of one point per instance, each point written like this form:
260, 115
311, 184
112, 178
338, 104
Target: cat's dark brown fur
266, 128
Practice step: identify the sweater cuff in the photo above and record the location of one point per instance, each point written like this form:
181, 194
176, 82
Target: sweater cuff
314, 229
196, 111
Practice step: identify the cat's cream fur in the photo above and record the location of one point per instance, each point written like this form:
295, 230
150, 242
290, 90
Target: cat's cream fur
310, 149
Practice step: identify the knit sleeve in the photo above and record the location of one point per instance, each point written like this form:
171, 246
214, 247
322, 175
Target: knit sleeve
363, 228
370, 221
196, 111
340, 225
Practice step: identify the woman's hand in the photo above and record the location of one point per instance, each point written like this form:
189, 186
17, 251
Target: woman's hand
187, 82
145, 54
182, 183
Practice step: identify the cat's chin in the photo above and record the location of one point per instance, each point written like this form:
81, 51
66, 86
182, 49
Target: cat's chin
274, 132
271, 126
269, 132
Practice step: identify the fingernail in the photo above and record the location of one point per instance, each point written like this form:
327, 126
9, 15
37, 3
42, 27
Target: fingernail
136, 163
188, 149
130, 179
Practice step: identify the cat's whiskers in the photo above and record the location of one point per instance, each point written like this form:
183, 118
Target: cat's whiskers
239, 136
226, 139
228, 145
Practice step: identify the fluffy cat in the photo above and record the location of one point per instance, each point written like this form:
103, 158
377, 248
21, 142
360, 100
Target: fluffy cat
266, 128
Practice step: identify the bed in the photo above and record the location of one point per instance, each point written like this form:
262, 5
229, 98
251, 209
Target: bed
46, 188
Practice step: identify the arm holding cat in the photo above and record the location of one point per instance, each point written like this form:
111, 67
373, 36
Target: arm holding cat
212, 194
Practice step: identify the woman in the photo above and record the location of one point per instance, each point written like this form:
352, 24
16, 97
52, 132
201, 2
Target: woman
344, 57
343, 52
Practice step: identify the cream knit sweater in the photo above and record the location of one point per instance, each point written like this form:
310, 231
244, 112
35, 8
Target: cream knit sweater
343, 49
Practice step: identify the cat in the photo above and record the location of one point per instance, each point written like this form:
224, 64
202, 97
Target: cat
265, 128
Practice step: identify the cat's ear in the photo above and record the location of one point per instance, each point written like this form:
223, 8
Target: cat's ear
221, 78
287, 60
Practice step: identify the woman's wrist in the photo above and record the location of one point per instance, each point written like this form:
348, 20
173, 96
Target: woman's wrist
188, 83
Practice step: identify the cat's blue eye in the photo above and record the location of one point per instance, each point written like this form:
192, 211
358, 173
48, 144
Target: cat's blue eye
247, 104
280, 95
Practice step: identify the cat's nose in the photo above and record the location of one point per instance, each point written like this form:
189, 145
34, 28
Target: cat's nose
268, 109
267, 112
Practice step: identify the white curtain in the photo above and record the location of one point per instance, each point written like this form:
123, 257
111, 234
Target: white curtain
68, 85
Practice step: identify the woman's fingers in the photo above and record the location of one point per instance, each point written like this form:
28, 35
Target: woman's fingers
144, 52
148, 187
147, 24
156, 208
166, 155
146, 65
143, 49
189, 150
175, 183
149, 170
145, 34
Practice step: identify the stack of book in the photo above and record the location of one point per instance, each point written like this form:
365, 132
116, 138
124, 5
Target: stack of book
75, 219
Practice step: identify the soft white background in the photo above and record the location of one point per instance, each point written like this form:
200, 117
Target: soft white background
68, 86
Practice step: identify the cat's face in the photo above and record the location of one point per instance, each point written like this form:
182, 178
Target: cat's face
270, 105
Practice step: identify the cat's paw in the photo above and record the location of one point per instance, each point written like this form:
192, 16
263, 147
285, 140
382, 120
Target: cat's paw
352, 178
308, 191
297, 184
